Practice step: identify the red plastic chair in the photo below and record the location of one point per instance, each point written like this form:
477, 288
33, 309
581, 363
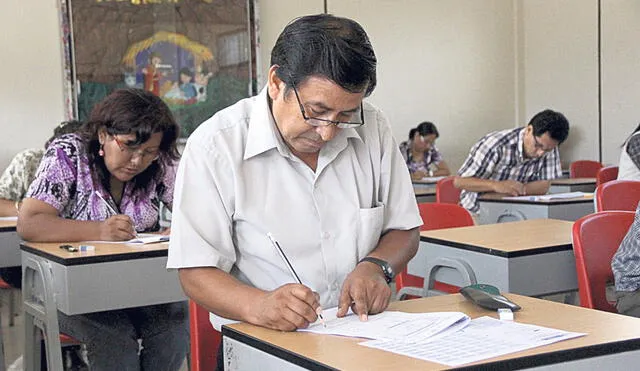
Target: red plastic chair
436, 216
606, 174
446, 192
584, 169
618, 195
205, 340
596, 238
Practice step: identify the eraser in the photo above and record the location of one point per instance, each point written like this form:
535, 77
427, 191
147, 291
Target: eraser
87, 247
505, 314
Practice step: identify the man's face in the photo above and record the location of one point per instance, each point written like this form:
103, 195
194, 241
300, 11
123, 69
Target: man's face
537, 146
321, 98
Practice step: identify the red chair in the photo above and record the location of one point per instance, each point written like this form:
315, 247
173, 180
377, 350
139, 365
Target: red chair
596, 238
606, 174
435, 216
584, 169
446, 192
205, 340
618, 195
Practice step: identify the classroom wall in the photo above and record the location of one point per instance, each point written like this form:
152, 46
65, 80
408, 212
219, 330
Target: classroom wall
558, 46
31, 75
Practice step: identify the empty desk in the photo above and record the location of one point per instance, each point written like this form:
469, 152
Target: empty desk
425, 194
495, 209
612, 342
532, 257
565, 185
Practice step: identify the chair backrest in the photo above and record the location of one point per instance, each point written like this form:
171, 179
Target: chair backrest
205, 340
441, 215
606, 174
584, 169
618, 195
596, 238
446, 192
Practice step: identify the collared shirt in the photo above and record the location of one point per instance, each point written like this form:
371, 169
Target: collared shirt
500, 156
629, 166
17, 177
432, 156
238, 180
66, 181
626, 261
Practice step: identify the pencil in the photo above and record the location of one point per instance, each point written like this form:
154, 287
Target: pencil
112, 210
276, 245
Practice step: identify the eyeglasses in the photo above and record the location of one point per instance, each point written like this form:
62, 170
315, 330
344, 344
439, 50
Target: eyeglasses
539, 145
145, 155
315, 121
424, 140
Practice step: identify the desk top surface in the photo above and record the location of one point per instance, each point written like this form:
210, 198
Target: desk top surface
606, 333
573, 181
8, 225
104, 252
498, 198
424, 191
526, 237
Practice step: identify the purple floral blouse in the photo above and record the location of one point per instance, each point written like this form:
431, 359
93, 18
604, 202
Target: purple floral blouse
65, 181
432, 156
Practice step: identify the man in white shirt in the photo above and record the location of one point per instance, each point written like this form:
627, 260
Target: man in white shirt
307, 161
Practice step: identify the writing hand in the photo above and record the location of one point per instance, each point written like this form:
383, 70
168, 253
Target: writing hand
286, 308
510, 187
117, 228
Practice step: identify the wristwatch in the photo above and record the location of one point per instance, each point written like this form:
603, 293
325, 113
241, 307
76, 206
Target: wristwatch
386, 267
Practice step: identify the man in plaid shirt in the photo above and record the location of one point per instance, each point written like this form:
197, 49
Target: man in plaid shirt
626, 268
517, 162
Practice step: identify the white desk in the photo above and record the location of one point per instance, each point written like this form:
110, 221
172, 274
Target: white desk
532, 257
114, 276
495, 209
612, 343
9, 244
563, 185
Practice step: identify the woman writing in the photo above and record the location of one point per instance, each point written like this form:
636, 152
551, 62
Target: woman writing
422, 157
122, 159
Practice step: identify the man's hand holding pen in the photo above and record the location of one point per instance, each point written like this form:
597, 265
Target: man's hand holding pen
365, 290
287, 308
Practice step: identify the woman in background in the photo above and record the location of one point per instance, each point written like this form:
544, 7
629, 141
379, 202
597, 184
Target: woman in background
123, 159
420, 153
629, 166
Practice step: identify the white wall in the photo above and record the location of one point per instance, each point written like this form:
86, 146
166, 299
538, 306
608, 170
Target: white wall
31, 75
559, 57
620, 74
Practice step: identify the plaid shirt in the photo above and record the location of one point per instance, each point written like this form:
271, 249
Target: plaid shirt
499, 156
626, 261
432, 156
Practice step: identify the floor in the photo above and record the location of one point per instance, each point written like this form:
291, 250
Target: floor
13, 336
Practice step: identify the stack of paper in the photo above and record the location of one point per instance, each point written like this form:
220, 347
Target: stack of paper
549, 197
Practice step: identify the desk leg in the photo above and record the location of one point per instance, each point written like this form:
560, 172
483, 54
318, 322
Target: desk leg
40, 315
1, 347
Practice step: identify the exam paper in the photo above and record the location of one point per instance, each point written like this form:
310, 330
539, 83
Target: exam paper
9, 218
142, 239
483, 338
432, 179
549, 197
390, 325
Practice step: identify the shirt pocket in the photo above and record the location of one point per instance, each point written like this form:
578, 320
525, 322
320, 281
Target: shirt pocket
369, 229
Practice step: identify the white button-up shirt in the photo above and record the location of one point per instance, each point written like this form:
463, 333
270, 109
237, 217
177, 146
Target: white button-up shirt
237, 181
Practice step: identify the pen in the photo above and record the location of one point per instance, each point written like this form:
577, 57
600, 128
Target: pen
276, 245
112, 210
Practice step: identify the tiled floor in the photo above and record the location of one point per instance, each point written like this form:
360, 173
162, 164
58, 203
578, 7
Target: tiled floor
13, 337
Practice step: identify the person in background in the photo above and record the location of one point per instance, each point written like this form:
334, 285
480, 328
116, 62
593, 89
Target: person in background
629, 166
626, 267
123, 159
520, 161
420, 153
14, 183
312, 164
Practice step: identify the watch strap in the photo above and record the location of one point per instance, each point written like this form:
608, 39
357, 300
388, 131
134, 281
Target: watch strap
385, 266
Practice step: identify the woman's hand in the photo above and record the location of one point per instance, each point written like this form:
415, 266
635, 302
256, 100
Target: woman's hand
117, 228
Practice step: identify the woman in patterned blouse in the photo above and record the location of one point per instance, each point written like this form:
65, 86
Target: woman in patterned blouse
126, 156
422, 157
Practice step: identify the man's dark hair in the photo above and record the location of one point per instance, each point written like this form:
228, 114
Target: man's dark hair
325, 45
551, 122
424, 128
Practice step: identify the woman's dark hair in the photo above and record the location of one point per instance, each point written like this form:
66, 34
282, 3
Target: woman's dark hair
325, 45
65, 127
424, 128
132, 111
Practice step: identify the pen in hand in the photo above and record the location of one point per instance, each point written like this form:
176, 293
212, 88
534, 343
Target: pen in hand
276, 245
113, 210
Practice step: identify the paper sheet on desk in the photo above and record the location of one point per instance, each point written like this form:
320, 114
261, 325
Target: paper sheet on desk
142, 239
483, 338
9, 218
549, 197
390, 325
432, 178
